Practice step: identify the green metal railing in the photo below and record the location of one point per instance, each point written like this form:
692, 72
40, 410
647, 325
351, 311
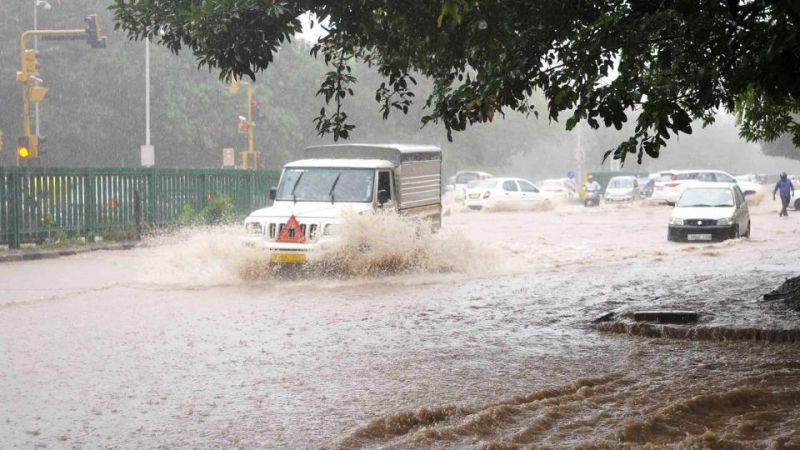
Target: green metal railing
38, 201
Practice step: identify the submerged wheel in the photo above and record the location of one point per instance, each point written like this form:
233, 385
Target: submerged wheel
735, 233
747, 233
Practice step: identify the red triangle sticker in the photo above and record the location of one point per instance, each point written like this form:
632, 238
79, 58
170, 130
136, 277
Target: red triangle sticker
292, 232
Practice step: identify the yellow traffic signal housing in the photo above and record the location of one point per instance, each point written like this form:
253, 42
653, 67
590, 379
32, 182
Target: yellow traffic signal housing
29, 66
23, 148
29, 61
37, 93
27, 147
233, 88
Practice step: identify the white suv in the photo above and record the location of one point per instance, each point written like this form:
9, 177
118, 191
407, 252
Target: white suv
683, 179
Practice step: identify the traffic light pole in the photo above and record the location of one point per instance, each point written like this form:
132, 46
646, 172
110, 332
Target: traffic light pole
27, 76
26, 85
250, 151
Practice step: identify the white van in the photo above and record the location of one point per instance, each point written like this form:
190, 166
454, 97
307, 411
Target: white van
314, 193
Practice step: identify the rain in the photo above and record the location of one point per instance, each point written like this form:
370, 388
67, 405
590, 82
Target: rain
395, 289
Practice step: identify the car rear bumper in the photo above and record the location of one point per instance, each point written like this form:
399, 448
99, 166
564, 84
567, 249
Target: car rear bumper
664, 195
701, 233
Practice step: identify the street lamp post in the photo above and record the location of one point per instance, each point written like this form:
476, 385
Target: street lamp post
148, 157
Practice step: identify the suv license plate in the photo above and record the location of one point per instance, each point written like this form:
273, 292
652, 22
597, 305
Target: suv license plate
474, 196
698, 237
287, 258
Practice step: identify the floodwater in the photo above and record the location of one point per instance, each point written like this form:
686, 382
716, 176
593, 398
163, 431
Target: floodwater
486, 343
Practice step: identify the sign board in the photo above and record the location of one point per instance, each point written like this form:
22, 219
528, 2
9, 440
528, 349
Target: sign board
148, 155
228, 157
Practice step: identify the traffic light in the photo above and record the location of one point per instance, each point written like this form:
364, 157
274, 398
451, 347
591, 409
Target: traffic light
27, 148
29, 66
244, 125
233, 87
23, 148
93, 37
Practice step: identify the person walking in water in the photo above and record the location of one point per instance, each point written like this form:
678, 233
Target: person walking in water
785, 186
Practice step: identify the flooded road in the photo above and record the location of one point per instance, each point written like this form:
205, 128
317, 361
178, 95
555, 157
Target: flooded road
488, 345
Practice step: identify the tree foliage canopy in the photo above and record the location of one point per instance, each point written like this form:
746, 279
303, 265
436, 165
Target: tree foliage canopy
665, 63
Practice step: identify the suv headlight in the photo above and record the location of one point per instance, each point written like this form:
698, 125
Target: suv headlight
726, 221
675, 221
253, 227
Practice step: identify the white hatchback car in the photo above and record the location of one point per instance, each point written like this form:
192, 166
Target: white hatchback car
711, 211
560, 188
513, 192
622, 189
683, 179
463, 179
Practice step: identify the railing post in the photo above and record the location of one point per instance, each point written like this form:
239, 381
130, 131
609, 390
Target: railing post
203, 190
151, 196
90, 203
15, 208
251, 191
137, 213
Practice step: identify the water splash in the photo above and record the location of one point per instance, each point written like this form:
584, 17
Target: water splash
364, 246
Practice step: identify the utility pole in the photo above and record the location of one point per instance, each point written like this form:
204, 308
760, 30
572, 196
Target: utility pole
250, 144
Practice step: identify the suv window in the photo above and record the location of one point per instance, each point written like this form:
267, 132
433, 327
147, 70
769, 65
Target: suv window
526, 187
384, 182
725, 178
510, 186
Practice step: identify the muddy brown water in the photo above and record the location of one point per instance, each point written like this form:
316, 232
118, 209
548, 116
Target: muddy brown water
186, 344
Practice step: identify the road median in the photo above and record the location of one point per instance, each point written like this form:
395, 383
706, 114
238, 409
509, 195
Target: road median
30, 254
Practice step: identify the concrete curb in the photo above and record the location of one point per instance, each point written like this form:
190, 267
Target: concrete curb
33, 254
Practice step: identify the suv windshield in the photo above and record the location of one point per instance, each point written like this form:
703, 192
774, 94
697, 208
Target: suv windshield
706, 198
326, 184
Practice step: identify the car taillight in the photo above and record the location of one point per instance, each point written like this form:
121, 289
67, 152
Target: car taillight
487, 194
671, 185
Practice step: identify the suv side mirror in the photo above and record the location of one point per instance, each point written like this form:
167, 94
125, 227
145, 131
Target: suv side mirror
383, 196
273, 193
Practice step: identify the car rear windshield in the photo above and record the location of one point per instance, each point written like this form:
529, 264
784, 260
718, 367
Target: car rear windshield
465, 178
617, 183
486, 184
706, 198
